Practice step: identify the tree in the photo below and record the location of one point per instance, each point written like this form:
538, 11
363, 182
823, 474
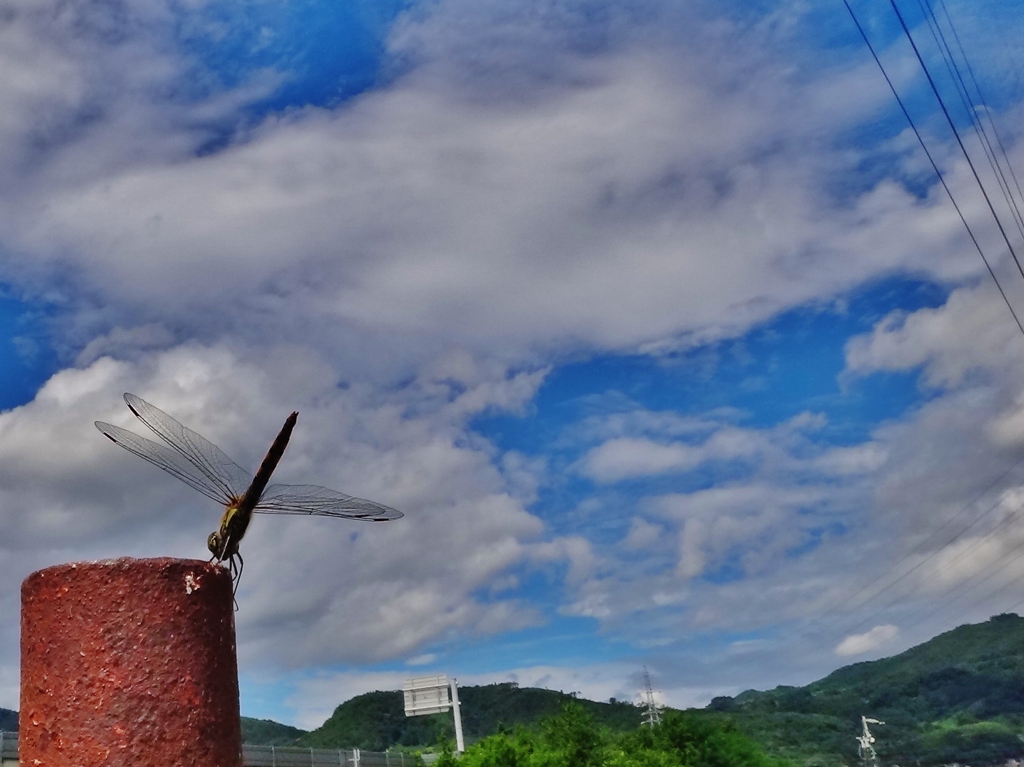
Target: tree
572, 739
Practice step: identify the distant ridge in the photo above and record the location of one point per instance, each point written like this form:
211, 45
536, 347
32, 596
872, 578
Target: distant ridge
267, 732
376, 721
957, 698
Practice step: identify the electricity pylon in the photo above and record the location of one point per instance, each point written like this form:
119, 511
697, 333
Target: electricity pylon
652, 711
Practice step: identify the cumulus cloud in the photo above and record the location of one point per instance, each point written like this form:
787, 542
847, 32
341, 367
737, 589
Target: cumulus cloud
703, 557
422, 660
410, 583
863, 643
591, 211
626, 457
642, 534
943, 525
950, 342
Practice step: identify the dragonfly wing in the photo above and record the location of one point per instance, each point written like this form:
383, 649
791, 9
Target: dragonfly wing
322, 502
172, 462
228, 477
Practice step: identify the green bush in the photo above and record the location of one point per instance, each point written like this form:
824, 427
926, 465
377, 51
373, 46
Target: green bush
572, 739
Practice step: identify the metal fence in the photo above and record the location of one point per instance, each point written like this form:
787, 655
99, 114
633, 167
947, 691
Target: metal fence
273, 756
8, 748
291, 756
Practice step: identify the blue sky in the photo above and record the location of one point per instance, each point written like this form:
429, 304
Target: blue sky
653, 320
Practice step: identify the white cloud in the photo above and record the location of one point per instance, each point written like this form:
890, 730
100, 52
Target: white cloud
754, 523
949, 342
858, 644
639, 195
627, 457
845, 461
422, 660
65, 488
642, 534
757, 519
644, 443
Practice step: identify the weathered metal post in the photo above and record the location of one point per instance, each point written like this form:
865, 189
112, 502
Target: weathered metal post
129, 662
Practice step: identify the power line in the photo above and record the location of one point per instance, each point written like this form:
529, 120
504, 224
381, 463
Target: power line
981, 98
923, 545
971, 108
956, 134
957, 76
994, 568
934, 164
874, 616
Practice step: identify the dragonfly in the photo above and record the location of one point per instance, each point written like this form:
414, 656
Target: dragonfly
205, 467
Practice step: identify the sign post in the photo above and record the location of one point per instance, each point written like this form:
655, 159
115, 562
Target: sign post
460, 744
429, 695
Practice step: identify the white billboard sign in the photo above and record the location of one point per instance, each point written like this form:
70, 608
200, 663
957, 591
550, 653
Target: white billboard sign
426, 695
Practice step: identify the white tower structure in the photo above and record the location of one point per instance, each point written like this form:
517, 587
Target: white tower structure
866, 741
652, 711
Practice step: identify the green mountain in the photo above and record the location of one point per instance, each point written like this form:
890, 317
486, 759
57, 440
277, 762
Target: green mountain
266, 732
376, 720
957, 698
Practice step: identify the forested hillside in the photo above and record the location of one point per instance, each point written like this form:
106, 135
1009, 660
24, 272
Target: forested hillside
8, 720
956, 698
376, 720
266, 732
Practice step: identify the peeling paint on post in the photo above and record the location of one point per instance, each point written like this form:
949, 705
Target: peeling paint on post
129, 662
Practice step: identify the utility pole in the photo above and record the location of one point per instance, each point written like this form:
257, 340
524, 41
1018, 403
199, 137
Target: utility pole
865, 742
652, 711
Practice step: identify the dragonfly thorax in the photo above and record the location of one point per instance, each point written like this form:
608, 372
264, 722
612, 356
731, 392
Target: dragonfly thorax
223, 542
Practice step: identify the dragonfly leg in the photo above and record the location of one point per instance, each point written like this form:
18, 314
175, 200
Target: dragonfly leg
236, 575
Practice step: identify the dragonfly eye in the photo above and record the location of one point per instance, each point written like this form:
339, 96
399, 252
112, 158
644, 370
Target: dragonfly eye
213, 543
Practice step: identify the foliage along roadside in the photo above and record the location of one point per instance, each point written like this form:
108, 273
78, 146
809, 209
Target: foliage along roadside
573, 739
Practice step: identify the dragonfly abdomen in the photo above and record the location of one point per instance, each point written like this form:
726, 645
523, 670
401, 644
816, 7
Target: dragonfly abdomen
270, 460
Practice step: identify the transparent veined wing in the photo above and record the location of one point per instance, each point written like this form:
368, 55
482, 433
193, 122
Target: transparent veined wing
171, 461
224, 474
322, 502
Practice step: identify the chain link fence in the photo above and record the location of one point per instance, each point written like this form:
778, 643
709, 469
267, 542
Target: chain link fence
270, 756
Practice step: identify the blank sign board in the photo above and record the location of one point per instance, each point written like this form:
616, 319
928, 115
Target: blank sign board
426, 695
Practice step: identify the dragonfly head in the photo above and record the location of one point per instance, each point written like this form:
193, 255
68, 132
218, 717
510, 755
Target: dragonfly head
222, 544
215, 544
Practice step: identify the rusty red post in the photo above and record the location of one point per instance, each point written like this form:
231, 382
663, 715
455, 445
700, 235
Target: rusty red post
129, 662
